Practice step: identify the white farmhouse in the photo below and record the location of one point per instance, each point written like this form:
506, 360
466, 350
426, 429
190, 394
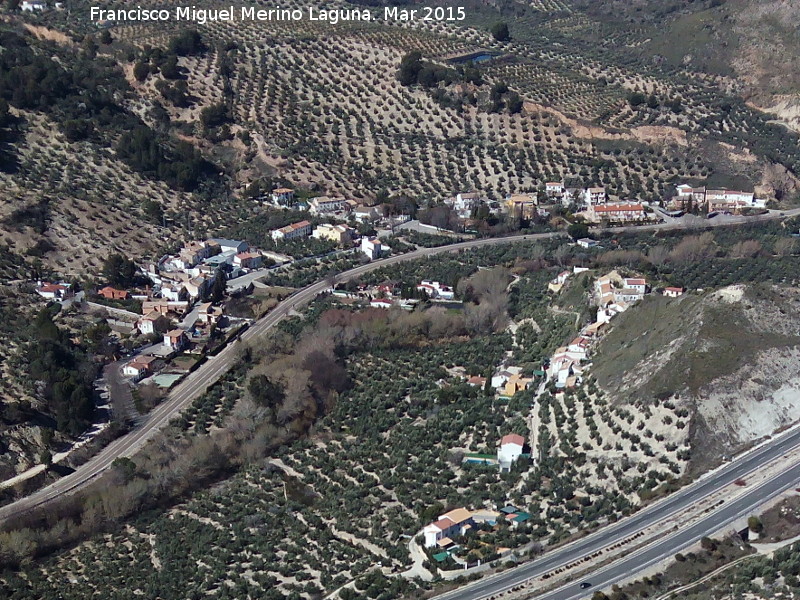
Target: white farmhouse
510, 450
371, 247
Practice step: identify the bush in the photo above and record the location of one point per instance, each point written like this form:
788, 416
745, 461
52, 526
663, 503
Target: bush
500, 32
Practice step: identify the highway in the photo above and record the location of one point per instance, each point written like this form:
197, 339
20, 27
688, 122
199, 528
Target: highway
609, 535
197, 383
666, 548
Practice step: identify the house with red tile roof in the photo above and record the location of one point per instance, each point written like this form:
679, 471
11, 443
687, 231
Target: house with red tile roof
111, 293
54, 291
451, 524
176, 339
510, 450
674, 292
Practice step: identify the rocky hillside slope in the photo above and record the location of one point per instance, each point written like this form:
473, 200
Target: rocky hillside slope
730, 357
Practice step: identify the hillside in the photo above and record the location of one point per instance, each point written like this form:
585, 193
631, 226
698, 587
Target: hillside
180, 124
730, 357
750, 44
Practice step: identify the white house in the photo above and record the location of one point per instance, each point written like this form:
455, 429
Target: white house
578, 348
464, 203
139, 367
282, 196
627, 296
434, 289
594, 195
366, 213
226, 245
587, 243
560, 279
176, 339
554, 189
454, 523
381, 303
510, 450
32, 5
673, 292
371, 247
54, 291
638, 284
323, 205
152, 322
292, 232
173, 291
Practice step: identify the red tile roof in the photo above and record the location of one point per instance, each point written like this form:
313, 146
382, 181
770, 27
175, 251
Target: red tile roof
619, 208
512, 438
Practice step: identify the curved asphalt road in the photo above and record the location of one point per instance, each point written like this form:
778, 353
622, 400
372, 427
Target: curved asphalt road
197, 382
215, 367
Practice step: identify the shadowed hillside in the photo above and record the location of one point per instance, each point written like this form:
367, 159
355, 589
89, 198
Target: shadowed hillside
730, 357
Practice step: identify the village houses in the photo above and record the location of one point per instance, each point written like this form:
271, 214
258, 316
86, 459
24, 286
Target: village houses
436, 290
339, 234
324, 205
554, 189
54, 291
248, 260
521, 205
510, 450
616, 212
152, 322
362, 214
140, 367
292, 232
371, 247
111, 293
715, 200
176, 340
594, 195
454, 523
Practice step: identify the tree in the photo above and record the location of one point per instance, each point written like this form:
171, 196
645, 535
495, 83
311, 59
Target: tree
105, 37
636, 99
219, 287
214, 115
170, 68
188, 43
708, 544
578, 230
46, 458
514, 103
141, 70
119, 270
264, 392
500, 31
410, 66
76, 130
754, 524
153, 210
